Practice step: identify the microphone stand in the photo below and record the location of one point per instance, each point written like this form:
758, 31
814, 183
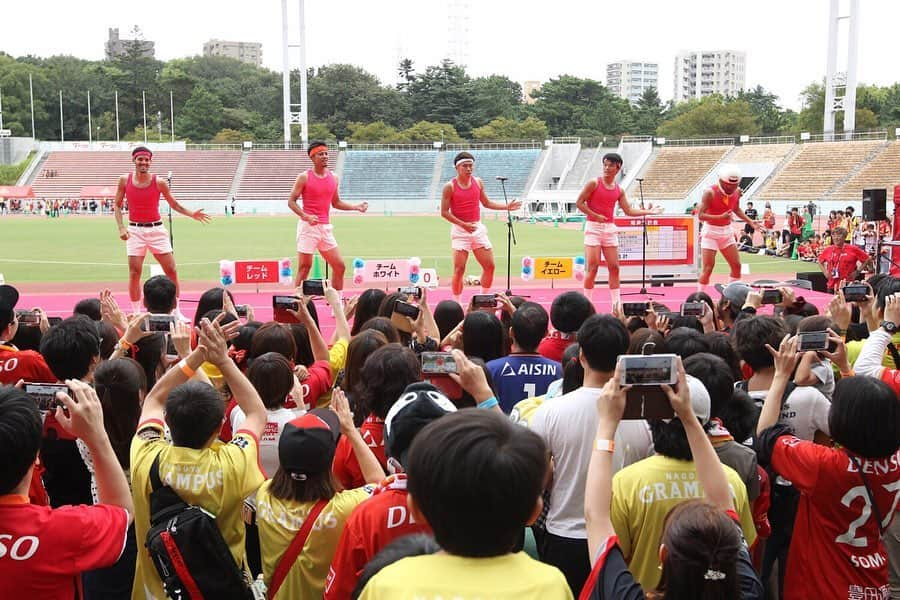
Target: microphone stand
510, 234
643, 291
171, 231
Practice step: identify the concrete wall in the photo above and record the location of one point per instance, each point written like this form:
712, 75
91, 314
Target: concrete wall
14, 150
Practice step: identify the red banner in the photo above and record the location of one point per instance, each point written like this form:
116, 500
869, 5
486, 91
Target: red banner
256, 271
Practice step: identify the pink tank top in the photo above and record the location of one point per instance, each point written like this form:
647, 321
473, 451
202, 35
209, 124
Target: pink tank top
318, 194
603, 201
143, 202
465, 203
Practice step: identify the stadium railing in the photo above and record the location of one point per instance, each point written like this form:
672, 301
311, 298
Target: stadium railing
701, 142
848, 137
495, 146
773, 139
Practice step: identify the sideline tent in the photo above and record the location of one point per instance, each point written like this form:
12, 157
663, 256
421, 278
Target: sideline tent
98, 191
16, 191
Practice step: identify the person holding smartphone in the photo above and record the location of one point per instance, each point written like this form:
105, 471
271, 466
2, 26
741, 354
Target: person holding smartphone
840, 260
319, 189
461, 202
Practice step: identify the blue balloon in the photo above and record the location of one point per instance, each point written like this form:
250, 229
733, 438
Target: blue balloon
413, 277
579, 260
358, 263
286, 272
226, 280
526, 270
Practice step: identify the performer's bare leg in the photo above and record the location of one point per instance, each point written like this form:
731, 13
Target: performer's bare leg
734, 261
460, 257
611, 255
135, 267
304, 263
592, 263
707, 262
334, 260
485, 258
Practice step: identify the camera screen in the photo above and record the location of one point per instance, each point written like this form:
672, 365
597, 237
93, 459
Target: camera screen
412, 291
27, 317
635, 309
406, 309
649, 370
484, 301
438, 362
285, 302
855, 293
313, 287
813, 340
771, 297
44, 394
692, 309
159, 323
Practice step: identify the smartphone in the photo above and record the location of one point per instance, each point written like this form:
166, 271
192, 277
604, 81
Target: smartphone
54, 321
484, 301
411, 291
313, 287
652, 369
635, 309
44, 394
693, 309
159, 323
812, 341
280, 307
439, 363
242, 310
406, 309
771, 296
27, 317
647, 402
855, 292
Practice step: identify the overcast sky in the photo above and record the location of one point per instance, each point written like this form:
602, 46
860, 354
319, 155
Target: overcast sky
785, 40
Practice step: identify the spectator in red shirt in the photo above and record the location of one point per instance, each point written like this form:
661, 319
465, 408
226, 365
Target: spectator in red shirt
567, 313
840, 260
385, 516
43, 551
16, 364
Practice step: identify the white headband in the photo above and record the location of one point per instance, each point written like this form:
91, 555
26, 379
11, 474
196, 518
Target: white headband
464, 161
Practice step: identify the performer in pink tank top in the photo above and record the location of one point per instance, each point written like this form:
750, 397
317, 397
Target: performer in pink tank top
598, 200
319, 189
461, 202
145, 230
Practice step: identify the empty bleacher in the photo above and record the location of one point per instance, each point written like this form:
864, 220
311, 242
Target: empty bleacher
196, 175
676, 170
759, 153
881, 172
270, 174
816, 168
387, 174
516, 164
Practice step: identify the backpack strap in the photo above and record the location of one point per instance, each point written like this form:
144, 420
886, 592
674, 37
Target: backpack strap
293, 551
155, 482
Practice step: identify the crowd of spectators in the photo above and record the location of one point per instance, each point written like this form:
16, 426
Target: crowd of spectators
351, 467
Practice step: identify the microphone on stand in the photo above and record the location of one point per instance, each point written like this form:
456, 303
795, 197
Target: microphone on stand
501, 178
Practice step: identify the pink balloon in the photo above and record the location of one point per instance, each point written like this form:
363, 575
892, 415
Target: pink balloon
357, 279
414, 269
527, 261
579, 275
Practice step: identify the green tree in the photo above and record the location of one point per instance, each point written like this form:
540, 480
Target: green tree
648, 113
440, 95
493, 96
339, 94
770, 117
507, 130
228, 136
426, 132
812, 113
713, 116
406, 72
202, 115
378, 132
571, 105
320, 131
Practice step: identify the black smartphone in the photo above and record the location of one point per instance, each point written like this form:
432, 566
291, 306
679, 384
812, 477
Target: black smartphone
438, 363
242, 310
313, 287
693, 309
54, 321
484, 301
159, 323
280, 307
855, 292
44, 394
635, 309
771, 296
27, 317
406, 309
810, 341
411, 291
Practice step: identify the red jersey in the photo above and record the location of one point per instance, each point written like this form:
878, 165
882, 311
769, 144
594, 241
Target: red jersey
603, 201
836, 549
44, 551
27, 365
721, 205
318, 194
465, 203
555, 344
841, 262
345, 466
373, 525
143, 202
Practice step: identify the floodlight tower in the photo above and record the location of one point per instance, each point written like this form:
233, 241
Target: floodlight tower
840, 85
295, 113
458, 24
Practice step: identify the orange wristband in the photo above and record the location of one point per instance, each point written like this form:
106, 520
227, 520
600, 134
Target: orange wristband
188, 372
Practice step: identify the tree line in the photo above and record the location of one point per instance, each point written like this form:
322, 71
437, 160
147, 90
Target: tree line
222, 100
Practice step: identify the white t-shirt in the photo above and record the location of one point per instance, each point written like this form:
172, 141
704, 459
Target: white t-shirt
805, 411
568, 424
825, 374
268, 441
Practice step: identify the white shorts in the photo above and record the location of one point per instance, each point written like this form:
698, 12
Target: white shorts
716, 237
141, 239
601, 234
460, 239
315, 237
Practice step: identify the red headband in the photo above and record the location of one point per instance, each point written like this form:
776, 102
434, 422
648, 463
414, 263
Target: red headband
146, 153
318, 150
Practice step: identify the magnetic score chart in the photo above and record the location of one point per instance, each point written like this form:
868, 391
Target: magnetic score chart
672, 247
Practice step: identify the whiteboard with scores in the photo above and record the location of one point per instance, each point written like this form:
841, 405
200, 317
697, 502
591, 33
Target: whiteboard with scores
673, 248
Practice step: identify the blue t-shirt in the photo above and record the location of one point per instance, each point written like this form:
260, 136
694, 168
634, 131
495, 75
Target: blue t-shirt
520, 376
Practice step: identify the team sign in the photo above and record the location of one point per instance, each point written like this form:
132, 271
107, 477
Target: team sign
670, 240
380, 271
256, 271
551, 267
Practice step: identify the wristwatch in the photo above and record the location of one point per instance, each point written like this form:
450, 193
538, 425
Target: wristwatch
889, 326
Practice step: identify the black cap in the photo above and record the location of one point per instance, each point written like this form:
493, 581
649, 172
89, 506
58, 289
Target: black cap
9, 297
307, 444
735, 292
418, 405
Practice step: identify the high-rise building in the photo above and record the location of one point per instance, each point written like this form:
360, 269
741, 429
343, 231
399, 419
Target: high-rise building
704, 72
116, 46
527, 88
248, 52
629, 79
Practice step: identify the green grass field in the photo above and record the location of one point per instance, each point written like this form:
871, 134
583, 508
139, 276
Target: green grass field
87, 249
